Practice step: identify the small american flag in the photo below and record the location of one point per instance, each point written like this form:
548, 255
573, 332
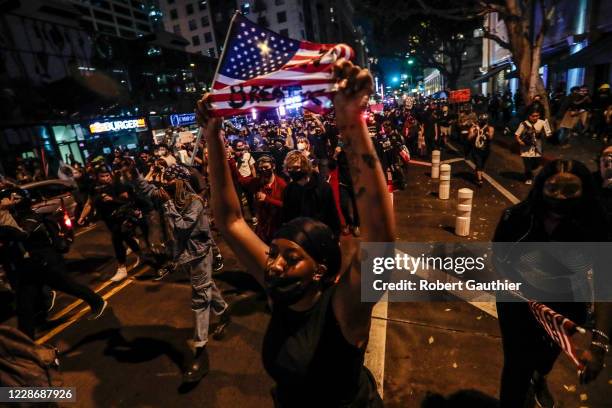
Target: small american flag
558, 327
262, 70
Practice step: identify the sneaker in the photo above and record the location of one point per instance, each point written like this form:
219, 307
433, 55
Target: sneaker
161, 274
120, 275
97, 313
218, 262
224, 321
529, 182
543, 397
135, 265
52, 301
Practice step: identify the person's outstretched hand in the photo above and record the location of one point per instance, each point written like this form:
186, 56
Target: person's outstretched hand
204, 116
354, 88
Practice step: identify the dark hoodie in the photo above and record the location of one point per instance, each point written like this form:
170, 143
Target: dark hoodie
314, 200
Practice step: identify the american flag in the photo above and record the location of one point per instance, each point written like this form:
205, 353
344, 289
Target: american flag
262, 70
559, 328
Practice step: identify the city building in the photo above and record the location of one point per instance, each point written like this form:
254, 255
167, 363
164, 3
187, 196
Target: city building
122, 18
67, 93
203, 22
576, 49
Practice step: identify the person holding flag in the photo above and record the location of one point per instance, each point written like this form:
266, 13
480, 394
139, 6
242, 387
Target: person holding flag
315, 343
563, 206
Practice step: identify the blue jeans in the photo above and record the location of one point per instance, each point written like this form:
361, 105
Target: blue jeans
204, 295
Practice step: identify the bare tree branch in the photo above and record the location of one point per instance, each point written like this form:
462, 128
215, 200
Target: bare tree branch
489, 35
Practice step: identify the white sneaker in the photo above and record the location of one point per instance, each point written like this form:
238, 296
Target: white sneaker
120, 275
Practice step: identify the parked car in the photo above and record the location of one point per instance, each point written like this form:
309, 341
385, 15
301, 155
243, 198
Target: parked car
49, 196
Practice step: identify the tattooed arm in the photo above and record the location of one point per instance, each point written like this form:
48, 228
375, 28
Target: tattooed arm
372, 195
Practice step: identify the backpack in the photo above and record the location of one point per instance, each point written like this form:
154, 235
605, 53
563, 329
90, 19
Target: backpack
23, 363
529, 135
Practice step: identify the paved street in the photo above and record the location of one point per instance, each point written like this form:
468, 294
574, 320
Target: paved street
132, 356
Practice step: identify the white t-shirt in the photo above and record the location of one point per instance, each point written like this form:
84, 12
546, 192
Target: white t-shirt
533, 149
245, 163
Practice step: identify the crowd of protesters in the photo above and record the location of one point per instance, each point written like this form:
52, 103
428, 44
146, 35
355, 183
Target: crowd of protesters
283, 192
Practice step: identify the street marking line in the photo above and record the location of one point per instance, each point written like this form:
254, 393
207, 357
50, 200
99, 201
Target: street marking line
375, 353
511, 197
483, 301
76, 303
420, 163
82, 312
86, 229
450, 161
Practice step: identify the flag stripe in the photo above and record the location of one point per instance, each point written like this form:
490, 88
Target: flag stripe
558, 327
257, 57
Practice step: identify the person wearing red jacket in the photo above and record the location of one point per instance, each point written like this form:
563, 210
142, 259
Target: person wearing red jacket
268, 192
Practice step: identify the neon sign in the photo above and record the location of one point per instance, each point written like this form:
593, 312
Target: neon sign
117, 125
182, 119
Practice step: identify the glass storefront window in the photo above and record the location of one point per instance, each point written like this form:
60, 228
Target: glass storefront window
64, 134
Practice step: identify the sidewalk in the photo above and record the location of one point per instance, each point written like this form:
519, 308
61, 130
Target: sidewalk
454, 347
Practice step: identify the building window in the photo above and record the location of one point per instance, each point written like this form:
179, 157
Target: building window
189, 9
101, 3
202, 5
218, 17
193, 25
205, 21
195, 40
301, 18
207, 37
173, 14
281, 17
103, 16
176, 29
211, 52
303, 35
125, 22
279, 2
284, 32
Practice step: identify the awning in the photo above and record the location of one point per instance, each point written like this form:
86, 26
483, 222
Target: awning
491, 73
600, 52
549, 57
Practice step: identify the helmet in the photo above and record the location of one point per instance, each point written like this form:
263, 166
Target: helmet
604, 87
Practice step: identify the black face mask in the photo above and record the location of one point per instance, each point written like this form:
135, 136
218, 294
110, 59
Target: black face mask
296, 175
285, 291
170, 189
563, 207
266, 173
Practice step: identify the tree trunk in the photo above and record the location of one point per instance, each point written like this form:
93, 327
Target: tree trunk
527, 58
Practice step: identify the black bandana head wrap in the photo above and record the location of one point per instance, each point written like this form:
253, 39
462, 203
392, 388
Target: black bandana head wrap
317, 239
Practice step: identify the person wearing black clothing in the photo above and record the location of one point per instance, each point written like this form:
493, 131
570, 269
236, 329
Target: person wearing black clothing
307, 195
38, 264
603, 181
601, 101
480, 137
315, 343
114, 203
562, 207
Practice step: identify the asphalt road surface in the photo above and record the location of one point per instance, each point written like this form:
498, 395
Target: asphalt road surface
132, 357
